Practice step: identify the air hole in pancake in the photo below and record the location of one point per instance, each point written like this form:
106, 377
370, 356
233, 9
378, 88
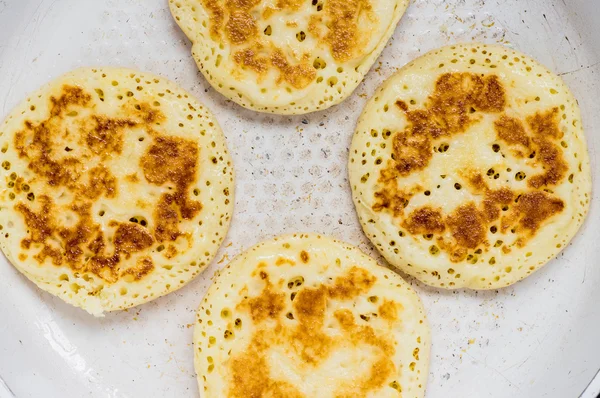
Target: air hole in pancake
319, 63
100, 93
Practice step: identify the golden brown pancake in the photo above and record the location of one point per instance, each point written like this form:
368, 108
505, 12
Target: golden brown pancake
305, 316
469, 167
287, 56
117, 188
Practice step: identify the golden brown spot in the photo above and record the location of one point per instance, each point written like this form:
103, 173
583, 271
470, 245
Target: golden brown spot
281, 261
304, 256
391, 197
388, 310
171, 252
494, 200
34, 143
545, 124
310, 343
240, 27
310, 305
345, 38
380, 370
289, 5
266, 306
298, 76
39, 223
102, 182
356, 282
467, 226
425, 220
106, 136
512, 131
131, 238
477, 182
143, 267
172, 160
534, 208
402, 105
217, 16
70, 96
545, 127
132, 178
250, 58
250, 377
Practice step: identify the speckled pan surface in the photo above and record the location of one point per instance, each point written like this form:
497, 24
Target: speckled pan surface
535, 338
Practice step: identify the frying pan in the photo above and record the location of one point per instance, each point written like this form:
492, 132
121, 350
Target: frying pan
538, 338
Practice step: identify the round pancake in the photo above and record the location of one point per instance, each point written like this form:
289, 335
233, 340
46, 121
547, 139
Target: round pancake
287, 56
469, 167
307, 316
116, 188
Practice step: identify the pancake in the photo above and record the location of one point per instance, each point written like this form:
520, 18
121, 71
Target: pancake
287, 56
116, 188
469, 167
307, 316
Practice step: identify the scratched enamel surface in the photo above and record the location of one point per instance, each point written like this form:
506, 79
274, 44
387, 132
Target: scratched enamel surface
535, 338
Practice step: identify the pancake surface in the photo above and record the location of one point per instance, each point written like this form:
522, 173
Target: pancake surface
308, 316
287, 56
116, 188
469, 167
